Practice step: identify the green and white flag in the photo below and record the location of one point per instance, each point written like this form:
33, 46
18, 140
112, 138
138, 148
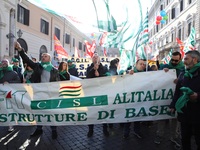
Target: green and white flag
167, 59
126, 36
191, 41
105, 20
143, 39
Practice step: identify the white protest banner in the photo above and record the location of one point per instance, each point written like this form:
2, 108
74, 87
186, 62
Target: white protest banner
137, 97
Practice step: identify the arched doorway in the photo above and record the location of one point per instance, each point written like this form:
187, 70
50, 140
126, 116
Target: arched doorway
43, 49
23, 44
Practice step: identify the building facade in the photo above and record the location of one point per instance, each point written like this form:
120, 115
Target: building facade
7, 28
182, 16
34, 28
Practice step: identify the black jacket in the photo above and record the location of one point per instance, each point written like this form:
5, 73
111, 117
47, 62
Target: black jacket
10, 77
191, 112
72, 70
37, 70
65, 76
91, 72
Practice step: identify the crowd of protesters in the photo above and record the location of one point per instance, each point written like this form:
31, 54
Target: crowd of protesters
187, 88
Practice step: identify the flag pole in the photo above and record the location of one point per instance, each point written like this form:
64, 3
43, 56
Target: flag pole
147, 59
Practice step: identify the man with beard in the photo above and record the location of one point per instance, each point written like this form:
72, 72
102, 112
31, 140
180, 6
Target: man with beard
177, 64
186, 100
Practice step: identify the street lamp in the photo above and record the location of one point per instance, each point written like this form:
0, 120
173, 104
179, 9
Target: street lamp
19, 33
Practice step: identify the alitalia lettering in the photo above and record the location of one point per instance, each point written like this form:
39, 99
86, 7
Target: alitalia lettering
143, 96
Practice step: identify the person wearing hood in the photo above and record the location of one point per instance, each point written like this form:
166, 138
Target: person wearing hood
72, 68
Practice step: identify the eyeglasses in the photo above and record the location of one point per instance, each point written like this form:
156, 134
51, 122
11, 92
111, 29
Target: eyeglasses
174, 60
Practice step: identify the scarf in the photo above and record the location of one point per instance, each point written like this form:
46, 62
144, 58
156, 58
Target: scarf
179, 66
47, 66
9, 68
25, 73
135, 70
182, 101
62, 74
190, 72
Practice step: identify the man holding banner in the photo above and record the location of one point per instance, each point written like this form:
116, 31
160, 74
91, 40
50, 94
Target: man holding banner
139, 67
42, 72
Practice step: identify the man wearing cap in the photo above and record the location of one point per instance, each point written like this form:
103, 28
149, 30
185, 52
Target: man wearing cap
72, 68
17, 68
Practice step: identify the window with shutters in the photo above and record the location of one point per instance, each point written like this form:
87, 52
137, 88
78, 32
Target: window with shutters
173, 13
189, 27
73, 42
161, 7
57, 33
22, 15
156, 28
44, 26
179, 33
67, 38
84, 48
80, 45
181, 5
172, 37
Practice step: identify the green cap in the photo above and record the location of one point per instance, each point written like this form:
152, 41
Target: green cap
69, 61
15, 60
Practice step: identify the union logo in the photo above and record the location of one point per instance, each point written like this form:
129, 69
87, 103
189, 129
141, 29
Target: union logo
70, 91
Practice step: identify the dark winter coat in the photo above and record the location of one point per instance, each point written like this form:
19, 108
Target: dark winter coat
72, 70
10, 76
103, 71
37, 70
19, 72
64, 76
113, 70
191, 112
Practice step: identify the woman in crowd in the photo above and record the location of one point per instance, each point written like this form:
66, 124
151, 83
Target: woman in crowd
63, 71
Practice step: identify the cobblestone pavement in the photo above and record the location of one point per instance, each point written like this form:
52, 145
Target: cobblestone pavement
75, 138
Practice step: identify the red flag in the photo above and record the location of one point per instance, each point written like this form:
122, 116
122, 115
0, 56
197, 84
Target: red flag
181, 45
76, 53
105, 52
103, 37
59, 48
90, 48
